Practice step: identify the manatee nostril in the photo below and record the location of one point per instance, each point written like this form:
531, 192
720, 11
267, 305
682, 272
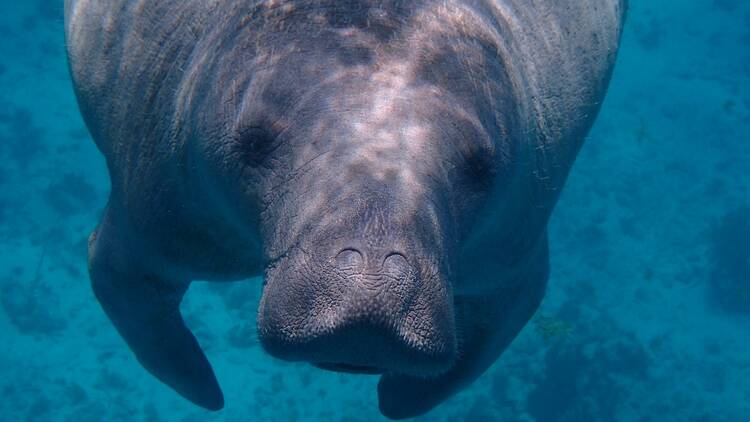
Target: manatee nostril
349, 258
396, 263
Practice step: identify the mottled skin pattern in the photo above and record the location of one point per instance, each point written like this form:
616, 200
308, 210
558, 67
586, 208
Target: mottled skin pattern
389, 165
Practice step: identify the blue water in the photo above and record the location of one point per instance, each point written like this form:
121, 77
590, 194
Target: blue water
647, 312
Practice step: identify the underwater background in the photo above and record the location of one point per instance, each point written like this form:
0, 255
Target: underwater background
647, 315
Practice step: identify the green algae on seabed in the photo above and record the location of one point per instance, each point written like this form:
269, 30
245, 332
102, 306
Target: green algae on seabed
550, 327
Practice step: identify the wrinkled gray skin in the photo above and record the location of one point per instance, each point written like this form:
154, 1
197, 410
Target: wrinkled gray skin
389, 165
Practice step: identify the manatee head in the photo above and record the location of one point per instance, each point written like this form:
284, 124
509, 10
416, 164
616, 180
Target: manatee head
363, 157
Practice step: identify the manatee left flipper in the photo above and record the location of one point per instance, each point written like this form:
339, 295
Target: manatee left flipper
144, 307
488, 324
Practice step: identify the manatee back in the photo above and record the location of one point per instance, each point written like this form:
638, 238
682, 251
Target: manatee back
126, 57
563, 53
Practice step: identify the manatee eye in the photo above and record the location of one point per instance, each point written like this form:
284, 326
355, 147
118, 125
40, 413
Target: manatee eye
481, 167
256, 142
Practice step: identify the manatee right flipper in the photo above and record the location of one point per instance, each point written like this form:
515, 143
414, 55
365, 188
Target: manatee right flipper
144, 307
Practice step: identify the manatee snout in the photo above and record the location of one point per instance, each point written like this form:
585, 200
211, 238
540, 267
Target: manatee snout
362, 296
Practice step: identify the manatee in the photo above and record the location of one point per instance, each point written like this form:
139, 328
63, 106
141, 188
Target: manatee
388, 167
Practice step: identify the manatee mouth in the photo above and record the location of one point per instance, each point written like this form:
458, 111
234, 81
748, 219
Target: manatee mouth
349, 369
